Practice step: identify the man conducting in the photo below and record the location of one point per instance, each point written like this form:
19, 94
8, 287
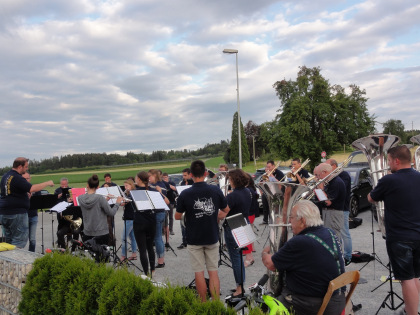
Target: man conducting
14, 202
310, 259
201, 204
399, 191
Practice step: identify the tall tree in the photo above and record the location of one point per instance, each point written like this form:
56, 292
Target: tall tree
314, 117
396, 128
234, 143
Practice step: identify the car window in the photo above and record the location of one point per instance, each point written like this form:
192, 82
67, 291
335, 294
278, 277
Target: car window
352, 176
363, 175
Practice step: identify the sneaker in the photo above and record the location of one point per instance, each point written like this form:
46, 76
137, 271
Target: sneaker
347, 261
182, 246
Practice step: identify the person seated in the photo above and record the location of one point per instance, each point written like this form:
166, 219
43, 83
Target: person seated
310, 260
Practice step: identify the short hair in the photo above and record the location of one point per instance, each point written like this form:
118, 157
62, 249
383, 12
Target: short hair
156, 173
296, 160
270, 162
93, 181
165, 174
107, 175
186, 170
198, 169
20, 161
238, 178
309, 211
224, 166
401, 153
332, 162
63, 178
324, 167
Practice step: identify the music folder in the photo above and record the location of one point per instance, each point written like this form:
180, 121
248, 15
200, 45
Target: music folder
148, 200
43, 201
241, 230
180, 189
114, 191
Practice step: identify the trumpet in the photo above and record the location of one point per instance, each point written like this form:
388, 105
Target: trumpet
292, 175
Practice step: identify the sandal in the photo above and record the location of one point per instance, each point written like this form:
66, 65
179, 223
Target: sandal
248, 263
132, 258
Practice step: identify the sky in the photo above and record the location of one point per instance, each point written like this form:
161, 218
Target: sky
93, 76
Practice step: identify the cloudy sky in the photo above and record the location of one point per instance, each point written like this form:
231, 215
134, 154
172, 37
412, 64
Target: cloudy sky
110, 76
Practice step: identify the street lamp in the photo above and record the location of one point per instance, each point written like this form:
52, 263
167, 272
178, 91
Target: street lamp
235, 51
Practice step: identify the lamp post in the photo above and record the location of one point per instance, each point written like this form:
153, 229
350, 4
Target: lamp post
235, 51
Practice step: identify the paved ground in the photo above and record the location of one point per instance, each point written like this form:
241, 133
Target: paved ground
177, 269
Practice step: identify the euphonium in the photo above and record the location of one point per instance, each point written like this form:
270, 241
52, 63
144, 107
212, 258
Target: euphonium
281, 198
416, 139
376, 147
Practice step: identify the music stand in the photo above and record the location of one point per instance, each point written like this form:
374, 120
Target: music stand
43, 202
390, 295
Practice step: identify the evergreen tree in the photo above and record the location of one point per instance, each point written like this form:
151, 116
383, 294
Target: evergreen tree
234, 143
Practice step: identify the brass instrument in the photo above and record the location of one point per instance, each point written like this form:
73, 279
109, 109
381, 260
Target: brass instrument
266, 176
292, 175
74, 224
416, 139
281, 197
376, 147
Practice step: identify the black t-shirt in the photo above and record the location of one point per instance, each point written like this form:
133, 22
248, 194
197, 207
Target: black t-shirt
201, 204
239, 201
278, 174
309, 266
64, 192
109, 184
141, 215
129, 209
188, 182
400, 192
336, 192
303, 174
171, 194
345, 177
14, 197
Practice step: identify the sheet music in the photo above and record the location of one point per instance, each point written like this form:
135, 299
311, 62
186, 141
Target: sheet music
157, 200
244, 235
321, 194
180, 189
114, 191
60, 207
141, 199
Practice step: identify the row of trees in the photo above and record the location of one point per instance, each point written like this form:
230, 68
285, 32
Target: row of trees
314, 116
102, 159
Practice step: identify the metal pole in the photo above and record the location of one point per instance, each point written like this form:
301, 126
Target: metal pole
239, 114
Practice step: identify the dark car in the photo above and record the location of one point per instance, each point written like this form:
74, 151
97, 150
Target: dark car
361, 185
176, 178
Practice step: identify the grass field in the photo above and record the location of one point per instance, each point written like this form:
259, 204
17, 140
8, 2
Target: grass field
79, 179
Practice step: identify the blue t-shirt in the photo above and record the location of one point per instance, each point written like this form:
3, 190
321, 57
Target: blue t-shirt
309, 266
239, 201
400, 192
336, 192
14, 193
201, 204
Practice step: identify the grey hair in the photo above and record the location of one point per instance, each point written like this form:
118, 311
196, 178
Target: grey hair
309, 211
63, 178
324, 167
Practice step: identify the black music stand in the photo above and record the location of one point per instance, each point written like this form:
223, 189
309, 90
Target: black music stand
391, 294
43, 202
223, 258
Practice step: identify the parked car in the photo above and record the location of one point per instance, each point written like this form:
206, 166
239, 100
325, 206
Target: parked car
176, 178
361, 185
358, 158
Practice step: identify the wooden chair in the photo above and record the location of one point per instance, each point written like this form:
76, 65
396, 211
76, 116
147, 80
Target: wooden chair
349, 277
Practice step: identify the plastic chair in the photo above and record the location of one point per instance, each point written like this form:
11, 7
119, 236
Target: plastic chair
349, 277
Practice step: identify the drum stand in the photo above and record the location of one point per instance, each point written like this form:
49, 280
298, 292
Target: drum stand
390, 295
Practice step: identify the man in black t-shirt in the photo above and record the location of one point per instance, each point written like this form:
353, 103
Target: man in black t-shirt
171, 194
108, 181
201, 204
399, 191
186, 181
301, 175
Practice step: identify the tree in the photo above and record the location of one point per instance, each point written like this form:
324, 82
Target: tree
396, 128
314, 117
234, 143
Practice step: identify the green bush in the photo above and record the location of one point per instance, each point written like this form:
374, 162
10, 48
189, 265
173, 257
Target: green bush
65, 284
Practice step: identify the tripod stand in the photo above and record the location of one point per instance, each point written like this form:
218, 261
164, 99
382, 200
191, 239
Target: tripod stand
222, 254
391, 294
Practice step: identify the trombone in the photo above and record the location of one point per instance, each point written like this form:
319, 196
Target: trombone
265, 177
292, 175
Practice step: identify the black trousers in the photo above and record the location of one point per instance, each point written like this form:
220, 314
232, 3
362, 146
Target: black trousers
144, 227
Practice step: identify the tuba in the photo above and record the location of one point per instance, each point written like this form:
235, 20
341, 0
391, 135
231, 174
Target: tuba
416, 139
281, 198
375, 147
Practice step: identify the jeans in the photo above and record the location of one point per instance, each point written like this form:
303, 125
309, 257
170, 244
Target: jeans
16, 229
235, 257
33, 221
345, 235
160, 247
128, 232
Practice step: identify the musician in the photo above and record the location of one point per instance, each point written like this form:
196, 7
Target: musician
239, 201
95, 209
128, 218
186, 180
310, 263
108, 181
155, 182
223, 168
171, 194
399, 191
14, 202
301, 175
201, 204
32, 218
332, 209
276, 175
249, 258
345, 232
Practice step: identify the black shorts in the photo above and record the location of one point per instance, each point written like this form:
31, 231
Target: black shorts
405, 259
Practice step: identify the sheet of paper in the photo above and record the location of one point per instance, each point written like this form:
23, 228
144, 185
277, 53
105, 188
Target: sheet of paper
141, 200
113, 191
60, 207
321, 194
157, 200
180, 189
